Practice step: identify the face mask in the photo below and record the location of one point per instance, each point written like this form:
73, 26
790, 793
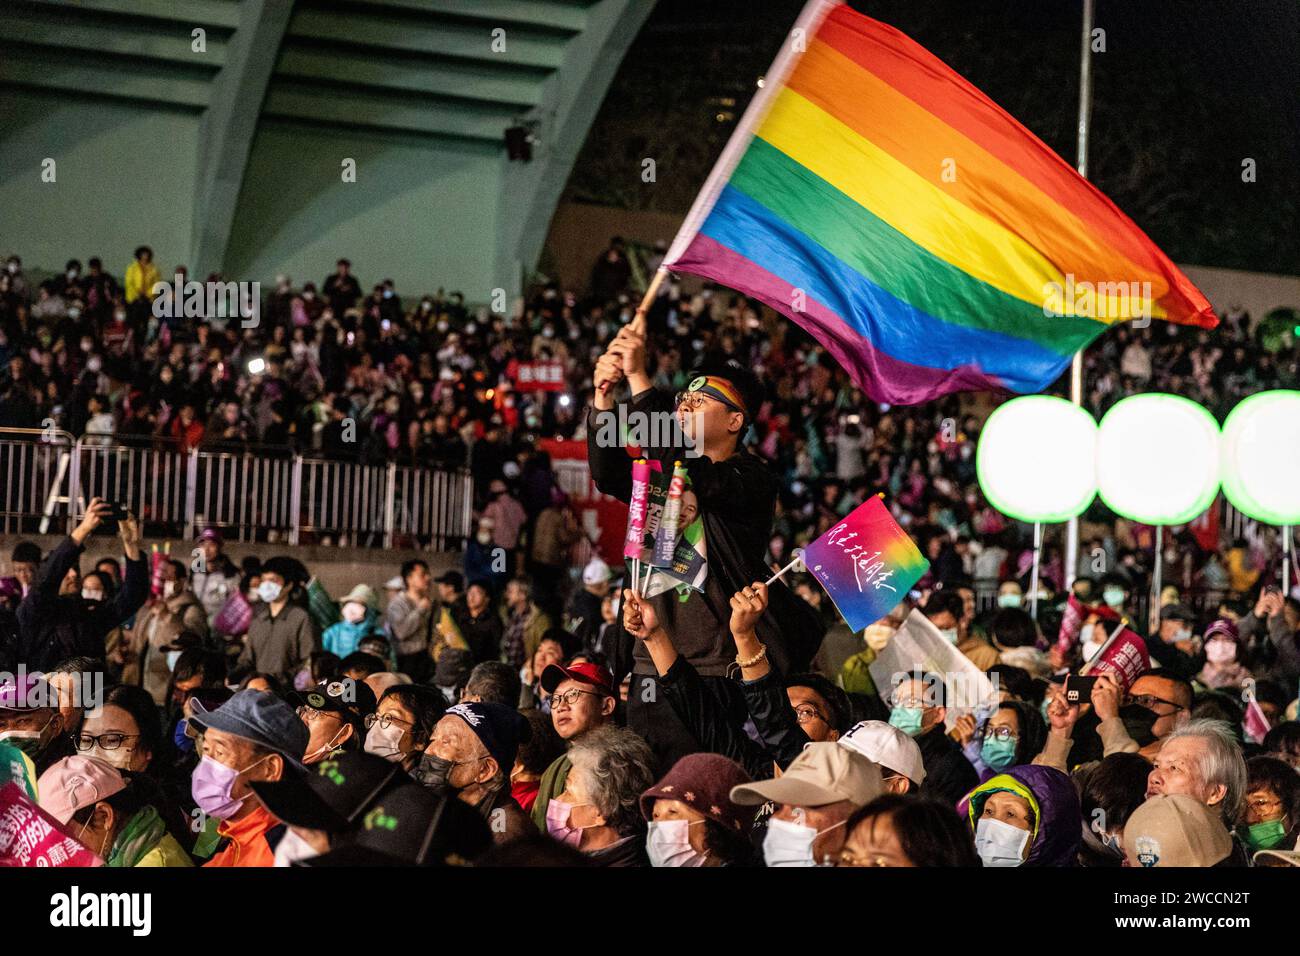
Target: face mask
172, 658
1113, 597
1138, 722
253, 597
997, 753
668, 843
169, 589
211, 785
1220, 652
907, 719
268, 591
558, 813
385, 743
1182, 634
434, 772
1000, 844
484, 537
184, 743
1010, 599
325, 748
1264, 836
354, 613
93, 596
28, 741
292, 848
791, 844
950, 633
1087, 645
119, 758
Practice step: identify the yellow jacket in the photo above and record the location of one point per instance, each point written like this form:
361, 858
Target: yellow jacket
140, 280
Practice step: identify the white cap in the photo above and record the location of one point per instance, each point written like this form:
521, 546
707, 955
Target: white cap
888, 746
395, 583
596, 572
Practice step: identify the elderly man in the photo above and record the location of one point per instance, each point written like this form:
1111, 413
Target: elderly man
470, 757
582, 698
1164, 701
335, 713
30, 720
1202, 759
254, 736
815, 798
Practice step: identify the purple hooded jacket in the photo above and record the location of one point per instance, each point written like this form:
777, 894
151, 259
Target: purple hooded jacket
1059, 813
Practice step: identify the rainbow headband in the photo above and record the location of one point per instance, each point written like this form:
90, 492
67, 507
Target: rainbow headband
720, 389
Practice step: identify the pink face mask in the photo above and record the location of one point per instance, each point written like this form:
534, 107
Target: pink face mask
558, 826
1220, 652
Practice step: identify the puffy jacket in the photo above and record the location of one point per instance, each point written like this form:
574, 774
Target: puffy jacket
1056, 833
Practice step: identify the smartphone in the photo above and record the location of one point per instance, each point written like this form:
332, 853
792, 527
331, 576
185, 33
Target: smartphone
1078, 689
110, 523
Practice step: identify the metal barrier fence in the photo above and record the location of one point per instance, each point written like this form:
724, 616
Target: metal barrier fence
250, 494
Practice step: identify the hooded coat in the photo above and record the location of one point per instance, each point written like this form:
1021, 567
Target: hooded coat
1056, 833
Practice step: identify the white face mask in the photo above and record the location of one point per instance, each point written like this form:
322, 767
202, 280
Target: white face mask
354, 613
1000, 844
668, 843
1087, 645
92, 595
385, 743
268, 591
1219, 651
292, 848
169, 589
791, 844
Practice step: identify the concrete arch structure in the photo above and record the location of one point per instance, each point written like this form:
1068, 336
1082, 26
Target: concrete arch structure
228, 154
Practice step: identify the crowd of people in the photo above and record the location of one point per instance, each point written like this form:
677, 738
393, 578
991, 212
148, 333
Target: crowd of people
520, 710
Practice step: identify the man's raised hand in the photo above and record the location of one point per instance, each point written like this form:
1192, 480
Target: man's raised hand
747, 606
639, 617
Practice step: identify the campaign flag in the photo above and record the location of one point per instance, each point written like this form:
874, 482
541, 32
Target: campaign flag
1124, 654
666, 536
17, 768
689, 567
866, 563
920, 646
1072, 621
1256, 723
929, 241
31, 837
636, 510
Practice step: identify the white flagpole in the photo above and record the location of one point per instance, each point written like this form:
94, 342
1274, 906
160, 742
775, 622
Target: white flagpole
1076, 364
1033, 578
1153, 613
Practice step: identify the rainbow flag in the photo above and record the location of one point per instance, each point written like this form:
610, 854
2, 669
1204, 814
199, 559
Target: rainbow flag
866, 563
929, 241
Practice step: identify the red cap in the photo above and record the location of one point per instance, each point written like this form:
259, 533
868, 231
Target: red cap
599, 677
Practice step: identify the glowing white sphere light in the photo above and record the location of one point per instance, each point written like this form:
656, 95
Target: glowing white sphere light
1260, 457
1036, 459
1158, 459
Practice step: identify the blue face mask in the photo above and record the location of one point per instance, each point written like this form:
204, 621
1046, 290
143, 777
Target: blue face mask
998, 754
183, 743
1114, 597
907, 719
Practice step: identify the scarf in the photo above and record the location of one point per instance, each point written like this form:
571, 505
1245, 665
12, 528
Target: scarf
140, 835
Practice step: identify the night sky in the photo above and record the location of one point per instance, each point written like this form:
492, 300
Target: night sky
1184, 92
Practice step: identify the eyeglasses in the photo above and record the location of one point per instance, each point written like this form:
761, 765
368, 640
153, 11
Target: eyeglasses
807, 712
692, 401
386, 720
1000, 733
849, 858
1263, 804
570, 697
310, 714
1149, 701
109, 741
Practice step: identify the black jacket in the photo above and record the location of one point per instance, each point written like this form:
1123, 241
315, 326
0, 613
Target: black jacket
711, 711
737, 499
949, 776
54, 627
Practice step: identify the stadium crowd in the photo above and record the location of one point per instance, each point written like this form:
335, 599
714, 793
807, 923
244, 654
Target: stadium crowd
525, 711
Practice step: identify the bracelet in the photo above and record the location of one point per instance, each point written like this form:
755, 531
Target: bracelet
750, 662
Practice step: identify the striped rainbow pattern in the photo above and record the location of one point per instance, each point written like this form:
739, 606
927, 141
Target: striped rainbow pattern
914, 227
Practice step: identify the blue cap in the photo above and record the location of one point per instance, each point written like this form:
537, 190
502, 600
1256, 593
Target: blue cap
501, 729
261, 717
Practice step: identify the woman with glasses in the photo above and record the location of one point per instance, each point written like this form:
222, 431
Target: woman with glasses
402, 725
124, 733
909, 831
1270, 817
1013, 735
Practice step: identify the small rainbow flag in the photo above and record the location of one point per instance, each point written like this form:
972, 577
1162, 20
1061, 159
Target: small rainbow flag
866, 563
929, 241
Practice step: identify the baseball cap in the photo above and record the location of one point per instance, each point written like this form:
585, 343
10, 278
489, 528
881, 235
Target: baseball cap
351, 699
1175, 830
596, 572
76, 782
822, 773
885, 744
410, 826
210, 534
501, 729
333, 795
258, 716
587, 673
1177, 612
